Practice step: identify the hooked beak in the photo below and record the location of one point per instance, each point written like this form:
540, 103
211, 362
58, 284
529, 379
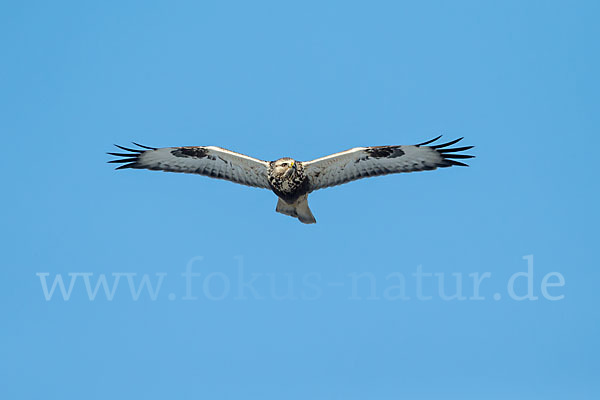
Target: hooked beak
291, 169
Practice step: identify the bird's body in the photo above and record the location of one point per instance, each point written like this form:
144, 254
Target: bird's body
292, 180
290, 183
288, 179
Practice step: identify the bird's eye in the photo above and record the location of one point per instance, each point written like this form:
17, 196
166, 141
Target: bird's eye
284, 164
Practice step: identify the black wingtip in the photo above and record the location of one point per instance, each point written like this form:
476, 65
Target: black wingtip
144, 147
122, 154
128, 149
429, 141
439, 146
124, 160
129, 159
130, 165
457, 163
454, 149
450, 154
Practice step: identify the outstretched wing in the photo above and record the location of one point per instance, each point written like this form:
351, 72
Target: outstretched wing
211, 161
363, 162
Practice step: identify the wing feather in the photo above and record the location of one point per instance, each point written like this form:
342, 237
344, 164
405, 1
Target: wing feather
211, 161
363, 162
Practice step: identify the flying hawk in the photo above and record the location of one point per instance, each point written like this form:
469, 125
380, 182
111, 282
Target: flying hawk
292, 180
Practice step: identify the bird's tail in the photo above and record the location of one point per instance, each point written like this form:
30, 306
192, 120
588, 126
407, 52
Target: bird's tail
299, 209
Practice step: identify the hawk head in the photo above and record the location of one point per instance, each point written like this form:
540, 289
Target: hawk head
284, 168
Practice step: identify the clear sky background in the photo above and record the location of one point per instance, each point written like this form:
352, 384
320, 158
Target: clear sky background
518, 79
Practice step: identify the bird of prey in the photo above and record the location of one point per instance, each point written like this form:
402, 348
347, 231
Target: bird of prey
292, 180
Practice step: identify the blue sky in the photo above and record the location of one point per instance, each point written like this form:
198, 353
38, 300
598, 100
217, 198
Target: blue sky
281, 309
